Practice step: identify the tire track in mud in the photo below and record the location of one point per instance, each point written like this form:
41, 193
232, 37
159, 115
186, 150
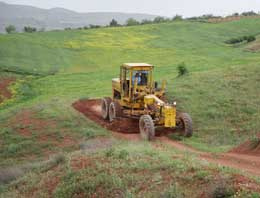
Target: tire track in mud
126, 128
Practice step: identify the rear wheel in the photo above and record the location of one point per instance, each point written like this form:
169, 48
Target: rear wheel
146, 126
185, 124
115, 111
105, 102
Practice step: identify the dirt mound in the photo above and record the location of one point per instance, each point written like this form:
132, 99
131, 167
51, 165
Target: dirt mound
4, 91
254, 48
250, 147
92, 110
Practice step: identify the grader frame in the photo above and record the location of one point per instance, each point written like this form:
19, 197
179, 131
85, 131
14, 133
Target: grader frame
135, 94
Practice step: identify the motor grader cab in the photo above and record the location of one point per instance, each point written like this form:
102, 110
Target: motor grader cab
136, 95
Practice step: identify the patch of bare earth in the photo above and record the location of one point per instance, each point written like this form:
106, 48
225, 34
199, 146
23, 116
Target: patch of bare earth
254, 47
5, 93
231, 18
28, 125
124, 128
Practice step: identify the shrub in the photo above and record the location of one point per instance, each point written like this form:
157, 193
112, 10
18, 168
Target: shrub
29, 29
254, 142
123, 154
182, 69
146, 21
131, 22
94, 26
222, 190
10, 29
110, 152
113, 23
177, 18
248, 39
250, 13
159, 19
13, 148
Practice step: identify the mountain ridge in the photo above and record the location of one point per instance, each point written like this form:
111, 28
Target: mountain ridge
58, 18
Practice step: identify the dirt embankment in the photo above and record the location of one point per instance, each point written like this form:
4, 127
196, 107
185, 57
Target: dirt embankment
92, 110
250, 147
242, 157
5, 93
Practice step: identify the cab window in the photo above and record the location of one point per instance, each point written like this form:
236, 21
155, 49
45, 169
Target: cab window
142, 77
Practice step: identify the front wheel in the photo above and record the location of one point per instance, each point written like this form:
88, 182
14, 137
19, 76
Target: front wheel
146, 126
184, 124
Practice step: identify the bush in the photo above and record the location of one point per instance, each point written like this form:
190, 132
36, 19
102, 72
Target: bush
94, 26
10, 29
182, 69
222, 190
254, 142
177, 18
123, 154
110, 152
248, 39
250, 13
113, 23
159, 19
13, 148
131, 22
29, 29
146, 21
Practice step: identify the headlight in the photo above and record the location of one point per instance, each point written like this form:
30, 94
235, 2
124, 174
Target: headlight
174, 103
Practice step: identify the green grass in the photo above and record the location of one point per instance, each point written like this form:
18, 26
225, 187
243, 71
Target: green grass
128, 170
220, 91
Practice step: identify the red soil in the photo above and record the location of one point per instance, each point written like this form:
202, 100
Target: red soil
4, 91
26, 122
230, 18
249, 148
238, 158
92, 110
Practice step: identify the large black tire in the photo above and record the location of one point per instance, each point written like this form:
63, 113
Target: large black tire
105, 103
146, 126
115, 111
185, 124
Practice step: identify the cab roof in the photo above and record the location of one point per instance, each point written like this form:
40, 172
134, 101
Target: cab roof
134, 65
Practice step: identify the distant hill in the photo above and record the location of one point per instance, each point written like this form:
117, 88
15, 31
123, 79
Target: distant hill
58, 18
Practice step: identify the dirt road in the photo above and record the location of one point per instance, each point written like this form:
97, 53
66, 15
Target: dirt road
128, 129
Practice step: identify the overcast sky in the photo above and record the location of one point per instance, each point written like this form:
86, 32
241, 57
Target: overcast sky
158, 7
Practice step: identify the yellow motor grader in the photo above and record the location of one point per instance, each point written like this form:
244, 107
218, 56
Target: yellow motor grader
136, 95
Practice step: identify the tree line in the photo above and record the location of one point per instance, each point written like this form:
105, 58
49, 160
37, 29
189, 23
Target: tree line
28, 29
132, 22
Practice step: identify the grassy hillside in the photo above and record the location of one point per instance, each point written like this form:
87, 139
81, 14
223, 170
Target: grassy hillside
221, 91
